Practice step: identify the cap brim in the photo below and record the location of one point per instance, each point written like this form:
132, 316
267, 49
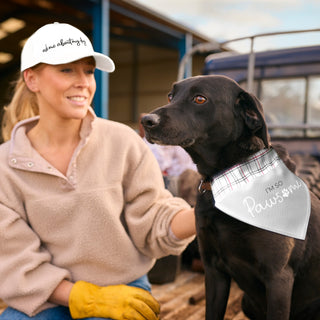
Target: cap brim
103, 62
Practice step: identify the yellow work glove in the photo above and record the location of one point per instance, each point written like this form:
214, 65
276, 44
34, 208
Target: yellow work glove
117, 302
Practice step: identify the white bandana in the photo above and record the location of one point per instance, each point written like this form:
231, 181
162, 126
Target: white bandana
264, 193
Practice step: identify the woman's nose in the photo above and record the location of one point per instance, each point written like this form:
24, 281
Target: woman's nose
82, 79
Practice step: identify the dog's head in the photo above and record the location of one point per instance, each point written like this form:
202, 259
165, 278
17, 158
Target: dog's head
208, 112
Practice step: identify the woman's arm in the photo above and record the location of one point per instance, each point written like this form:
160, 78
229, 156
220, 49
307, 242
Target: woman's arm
60, 295
183, 224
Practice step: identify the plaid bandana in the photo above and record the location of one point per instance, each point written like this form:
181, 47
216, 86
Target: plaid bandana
264, 193
241, 174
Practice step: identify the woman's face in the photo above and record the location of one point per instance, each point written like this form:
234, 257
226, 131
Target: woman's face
64, 90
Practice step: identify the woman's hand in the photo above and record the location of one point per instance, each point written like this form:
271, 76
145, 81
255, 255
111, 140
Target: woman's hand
118, 302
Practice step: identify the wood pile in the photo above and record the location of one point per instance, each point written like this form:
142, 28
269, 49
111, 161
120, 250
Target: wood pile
184, 298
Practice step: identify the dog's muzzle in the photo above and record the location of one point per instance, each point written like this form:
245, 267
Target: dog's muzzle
156, 134
150, 121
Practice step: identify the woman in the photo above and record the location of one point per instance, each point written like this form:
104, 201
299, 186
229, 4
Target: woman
83, 209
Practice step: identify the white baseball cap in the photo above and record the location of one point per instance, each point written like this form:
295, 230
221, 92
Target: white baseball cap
59, 43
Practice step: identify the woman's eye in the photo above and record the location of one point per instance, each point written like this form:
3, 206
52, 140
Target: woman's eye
66, 70
91, 71
170, 96
199, 99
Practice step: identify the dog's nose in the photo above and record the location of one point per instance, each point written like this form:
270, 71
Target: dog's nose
150, 120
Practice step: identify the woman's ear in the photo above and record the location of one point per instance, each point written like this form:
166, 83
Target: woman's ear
30, 79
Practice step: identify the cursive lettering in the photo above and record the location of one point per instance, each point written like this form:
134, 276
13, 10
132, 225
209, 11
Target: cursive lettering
64, 42
256, 208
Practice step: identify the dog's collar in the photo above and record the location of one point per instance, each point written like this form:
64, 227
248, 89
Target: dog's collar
205, 185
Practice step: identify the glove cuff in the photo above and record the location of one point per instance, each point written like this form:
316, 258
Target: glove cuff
81, 299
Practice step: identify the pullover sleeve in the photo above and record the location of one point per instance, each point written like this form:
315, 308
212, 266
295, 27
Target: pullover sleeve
26, 275
150, 207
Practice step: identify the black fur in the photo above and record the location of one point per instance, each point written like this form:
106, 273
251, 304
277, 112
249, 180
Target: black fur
280, 276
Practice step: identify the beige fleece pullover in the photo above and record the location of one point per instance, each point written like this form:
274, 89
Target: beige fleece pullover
104, 222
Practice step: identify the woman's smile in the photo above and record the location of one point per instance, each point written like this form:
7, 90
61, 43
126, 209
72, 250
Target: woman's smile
78, 99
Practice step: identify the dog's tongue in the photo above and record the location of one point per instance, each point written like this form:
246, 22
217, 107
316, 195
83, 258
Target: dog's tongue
264, 193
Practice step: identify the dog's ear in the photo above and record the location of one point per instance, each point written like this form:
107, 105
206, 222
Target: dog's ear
251, 111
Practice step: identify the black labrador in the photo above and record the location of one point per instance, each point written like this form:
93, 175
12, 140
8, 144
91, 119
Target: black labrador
219, 124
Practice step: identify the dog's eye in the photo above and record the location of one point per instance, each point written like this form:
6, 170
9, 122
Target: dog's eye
170, 96
199, 99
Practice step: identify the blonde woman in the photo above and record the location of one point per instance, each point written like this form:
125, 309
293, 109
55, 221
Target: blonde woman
83, 209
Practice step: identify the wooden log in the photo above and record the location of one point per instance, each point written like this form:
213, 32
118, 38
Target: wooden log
200, 295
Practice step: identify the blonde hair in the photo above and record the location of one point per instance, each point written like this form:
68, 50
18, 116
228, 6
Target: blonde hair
22, 106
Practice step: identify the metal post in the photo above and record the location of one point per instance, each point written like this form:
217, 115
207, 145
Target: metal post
184, 48
101, 40
189, 40
135, 83
251, 63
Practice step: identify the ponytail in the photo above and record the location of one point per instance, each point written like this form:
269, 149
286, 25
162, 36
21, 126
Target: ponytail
22, 106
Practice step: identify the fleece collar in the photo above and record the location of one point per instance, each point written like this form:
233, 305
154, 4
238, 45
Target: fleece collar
23, 156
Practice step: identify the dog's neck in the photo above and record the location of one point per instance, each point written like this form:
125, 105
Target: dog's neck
213, 159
